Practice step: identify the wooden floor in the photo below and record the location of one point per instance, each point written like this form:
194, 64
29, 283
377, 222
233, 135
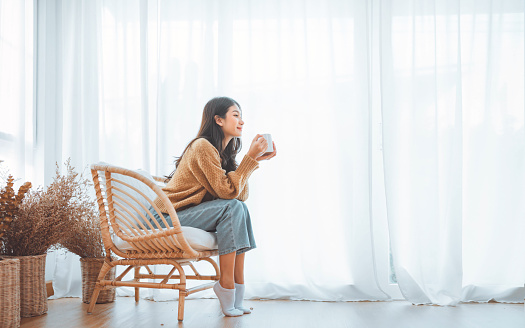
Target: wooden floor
71, 312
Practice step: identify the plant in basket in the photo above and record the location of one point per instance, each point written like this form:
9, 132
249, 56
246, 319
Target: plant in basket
85, 240
39, 225
10, 268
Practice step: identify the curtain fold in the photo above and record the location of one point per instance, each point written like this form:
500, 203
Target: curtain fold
399, 126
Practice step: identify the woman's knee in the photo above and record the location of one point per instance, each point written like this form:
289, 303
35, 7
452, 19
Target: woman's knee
235, 204
239, 204
244, 206
236, 208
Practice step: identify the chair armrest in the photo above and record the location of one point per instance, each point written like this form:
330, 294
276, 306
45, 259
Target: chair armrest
161, 179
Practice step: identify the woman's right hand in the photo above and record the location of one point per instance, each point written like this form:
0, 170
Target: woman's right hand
258, 147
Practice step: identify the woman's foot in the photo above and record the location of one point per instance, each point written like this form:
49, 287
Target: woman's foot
227, 299
239, 297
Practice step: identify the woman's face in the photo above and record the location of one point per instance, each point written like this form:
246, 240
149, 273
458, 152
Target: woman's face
232, 124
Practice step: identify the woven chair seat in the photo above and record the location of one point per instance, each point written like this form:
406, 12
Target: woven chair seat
198, 239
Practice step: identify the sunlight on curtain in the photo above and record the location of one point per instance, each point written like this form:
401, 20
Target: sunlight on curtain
16, 87
494, 151
454, 148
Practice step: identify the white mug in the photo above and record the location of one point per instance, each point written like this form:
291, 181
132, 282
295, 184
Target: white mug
268, 138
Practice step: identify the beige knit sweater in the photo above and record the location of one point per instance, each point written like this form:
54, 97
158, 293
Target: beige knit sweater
200, 177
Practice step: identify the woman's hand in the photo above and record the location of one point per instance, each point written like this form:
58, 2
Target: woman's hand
257, 148
267, 156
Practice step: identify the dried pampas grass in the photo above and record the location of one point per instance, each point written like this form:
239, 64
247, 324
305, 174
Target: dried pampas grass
46, 216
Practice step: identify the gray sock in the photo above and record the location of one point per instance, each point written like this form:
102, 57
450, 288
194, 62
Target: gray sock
226, 298
239, 297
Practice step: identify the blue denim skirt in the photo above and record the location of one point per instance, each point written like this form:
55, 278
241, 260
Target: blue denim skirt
228, 217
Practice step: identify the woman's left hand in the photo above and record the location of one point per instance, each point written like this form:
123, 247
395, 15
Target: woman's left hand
266, 156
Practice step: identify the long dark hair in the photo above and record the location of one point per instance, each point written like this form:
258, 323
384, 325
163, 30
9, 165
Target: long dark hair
212, 132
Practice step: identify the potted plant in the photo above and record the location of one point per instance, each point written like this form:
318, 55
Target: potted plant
40, 224
85, 240
10, 268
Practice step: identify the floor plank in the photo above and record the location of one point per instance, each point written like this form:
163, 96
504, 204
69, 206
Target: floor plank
205, 313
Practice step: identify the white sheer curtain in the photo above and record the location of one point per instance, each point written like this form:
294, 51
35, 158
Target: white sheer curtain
16, 86
454, 148
338, 84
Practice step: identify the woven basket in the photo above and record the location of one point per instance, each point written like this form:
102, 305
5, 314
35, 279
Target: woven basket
33, 293
9, 293
90, 270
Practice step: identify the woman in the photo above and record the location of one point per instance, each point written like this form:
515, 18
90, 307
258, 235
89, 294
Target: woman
208, 190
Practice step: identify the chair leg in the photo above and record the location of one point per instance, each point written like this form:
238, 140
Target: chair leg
105, 268
94, 298
137, 295
182, 295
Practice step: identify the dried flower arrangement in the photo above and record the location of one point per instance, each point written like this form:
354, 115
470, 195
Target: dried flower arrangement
84, 237
45, 217
10, 202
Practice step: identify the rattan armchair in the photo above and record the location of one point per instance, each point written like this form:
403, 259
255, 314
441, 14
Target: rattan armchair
124, 212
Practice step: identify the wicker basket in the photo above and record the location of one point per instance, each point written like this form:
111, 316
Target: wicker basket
10, 293
33, 293
90, 270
